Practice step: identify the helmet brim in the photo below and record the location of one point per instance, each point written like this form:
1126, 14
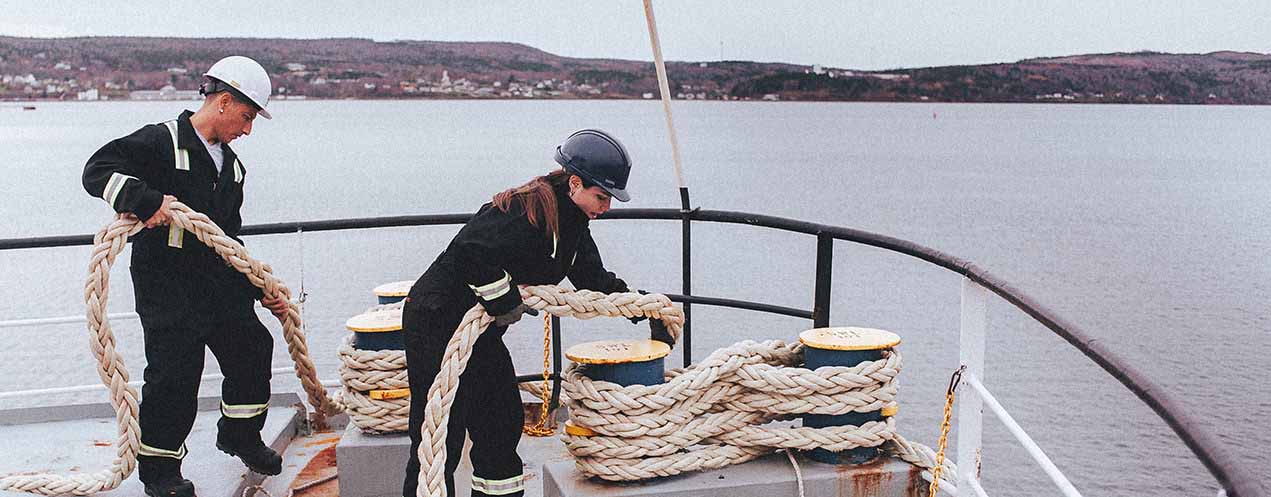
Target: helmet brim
618, 193
621, 195
260, 109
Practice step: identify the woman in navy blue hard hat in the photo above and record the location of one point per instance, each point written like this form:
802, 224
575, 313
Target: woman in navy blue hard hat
533, 234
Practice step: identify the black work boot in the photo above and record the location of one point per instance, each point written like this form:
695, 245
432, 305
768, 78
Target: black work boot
162, 477
171, 487
255, 454
241, 438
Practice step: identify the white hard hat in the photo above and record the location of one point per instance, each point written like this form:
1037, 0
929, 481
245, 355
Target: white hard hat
247, 77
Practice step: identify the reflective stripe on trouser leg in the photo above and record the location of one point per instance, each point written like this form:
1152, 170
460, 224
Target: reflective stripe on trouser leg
499, 487
147, 450
243, 411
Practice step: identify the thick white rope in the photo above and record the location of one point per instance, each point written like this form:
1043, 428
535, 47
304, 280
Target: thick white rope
712, 414
582, 304
108, 243
362, 371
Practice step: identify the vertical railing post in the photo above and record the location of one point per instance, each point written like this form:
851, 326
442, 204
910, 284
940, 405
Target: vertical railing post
686, 271
970, 405
824, 276
556, 365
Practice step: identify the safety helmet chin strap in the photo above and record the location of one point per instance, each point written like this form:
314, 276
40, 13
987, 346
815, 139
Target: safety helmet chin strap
213, 86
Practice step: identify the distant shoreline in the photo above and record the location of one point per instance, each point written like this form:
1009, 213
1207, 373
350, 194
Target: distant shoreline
132, 68
18, 104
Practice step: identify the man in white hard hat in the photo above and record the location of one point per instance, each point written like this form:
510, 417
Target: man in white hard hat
188, 298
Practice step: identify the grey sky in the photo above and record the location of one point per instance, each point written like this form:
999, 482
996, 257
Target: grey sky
853, 34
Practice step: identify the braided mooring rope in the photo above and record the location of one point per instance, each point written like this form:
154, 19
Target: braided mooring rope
712, 414
582, 304
110, 364
362, 371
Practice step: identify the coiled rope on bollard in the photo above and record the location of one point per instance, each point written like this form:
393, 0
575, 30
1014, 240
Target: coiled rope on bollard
582, 304
712, 414
107, 244
364, 371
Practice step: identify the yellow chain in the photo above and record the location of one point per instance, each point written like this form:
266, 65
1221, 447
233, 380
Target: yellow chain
944, 431
540, 429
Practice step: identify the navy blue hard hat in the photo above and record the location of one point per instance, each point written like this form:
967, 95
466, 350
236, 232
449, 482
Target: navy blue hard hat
597, 158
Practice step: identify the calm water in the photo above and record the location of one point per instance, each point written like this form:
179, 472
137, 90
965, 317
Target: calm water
1146, 226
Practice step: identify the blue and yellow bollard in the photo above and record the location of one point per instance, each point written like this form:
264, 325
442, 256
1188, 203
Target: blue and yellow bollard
389, 293
845, 347
625, 362
377, 330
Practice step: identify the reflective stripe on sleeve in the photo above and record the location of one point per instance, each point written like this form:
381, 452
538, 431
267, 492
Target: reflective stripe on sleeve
243, 411
114, 186
498, 487
493, 290
147, 450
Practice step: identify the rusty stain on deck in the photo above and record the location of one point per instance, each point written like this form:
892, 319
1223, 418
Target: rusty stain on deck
873, 480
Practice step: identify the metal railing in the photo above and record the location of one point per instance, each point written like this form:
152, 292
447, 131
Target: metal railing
978, 283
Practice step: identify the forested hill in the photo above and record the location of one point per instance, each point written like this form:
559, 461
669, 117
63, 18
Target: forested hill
115, 67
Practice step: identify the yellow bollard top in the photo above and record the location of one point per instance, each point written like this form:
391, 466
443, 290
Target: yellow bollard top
394, 289
399, 393
617, 351
375, 322
849, 338
578, 431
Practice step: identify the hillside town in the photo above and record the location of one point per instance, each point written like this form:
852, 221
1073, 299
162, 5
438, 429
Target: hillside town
65, 82
123, 68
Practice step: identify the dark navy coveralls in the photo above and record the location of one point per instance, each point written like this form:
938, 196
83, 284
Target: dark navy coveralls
187, 296
492, 254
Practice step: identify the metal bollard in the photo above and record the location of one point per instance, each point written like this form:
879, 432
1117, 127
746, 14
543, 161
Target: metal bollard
378, 330
847, 346
389, 293
625, 362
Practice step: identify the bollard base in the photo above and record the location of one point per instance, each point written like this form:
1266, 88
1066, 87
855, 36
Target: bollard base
763, 477
363, 467
861, 455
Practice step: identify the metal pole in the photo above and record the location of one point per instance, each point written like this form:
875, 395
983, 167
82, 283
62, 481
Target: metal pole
1030, 446
824, 275
970, 405
686, 273
664, 87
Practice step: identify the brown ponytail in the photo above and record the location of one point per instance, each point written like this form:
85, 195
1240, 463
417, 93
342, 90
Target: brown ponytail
538, 199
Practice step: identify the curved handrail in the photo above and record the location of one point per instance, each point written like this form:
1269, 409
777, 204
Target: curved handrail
1235, 479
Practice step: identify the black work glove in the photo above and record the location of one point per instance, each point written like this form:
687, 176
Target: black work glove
511, 317
658, 331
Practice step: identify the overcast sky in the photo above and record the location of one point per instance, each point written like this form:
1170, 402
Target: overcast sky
846, 33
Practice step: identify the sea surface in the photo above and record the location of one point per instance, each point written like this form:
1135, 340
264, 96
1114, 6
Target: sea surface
1149, 227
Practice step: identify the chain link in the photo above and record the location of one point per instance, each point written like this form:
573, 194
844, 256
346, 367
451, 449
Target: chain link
944, 431
540, 429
